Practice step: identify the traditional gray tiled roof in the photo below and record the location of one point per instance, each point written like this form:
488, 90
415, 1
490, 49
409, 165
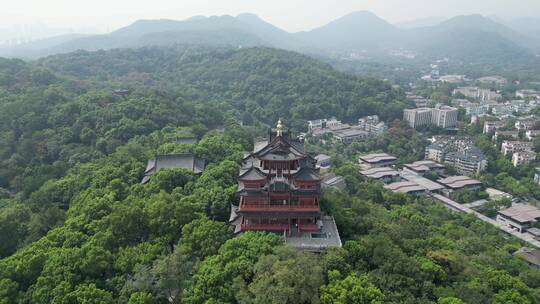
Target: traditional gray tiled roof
307, 174
458, 182
253, 174
173, 161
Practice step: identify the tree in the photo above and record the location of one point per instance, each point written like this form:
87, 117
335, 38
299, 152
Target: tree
351, 289
203, 237
287, 276
166, 278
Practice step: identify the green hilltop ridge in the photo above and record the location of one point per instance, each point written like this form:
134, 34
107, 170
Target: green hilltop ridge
77, 225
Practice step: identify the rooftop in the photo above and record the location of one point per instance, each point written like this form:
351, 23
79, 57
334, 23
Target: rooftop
424, 165
327, 237
377, 157
532, 256
379, 172
404, 187
458, 182
522, 213
422, 181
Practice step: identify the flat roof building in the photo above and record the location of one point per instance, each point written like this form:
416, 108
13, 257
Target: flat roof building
424, 166
510, 147
383, 174
530, 256
457, 183
523, 158
519, 217
417, 117
406, 187
323, 160
377, 160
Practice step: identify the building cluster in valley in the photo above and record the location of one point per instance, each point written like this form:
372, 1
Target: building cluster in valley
429, 177
366, 127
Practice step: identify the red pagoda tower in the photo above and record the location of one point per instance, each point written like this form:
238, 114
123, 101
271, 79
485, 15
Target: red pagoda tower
279, 188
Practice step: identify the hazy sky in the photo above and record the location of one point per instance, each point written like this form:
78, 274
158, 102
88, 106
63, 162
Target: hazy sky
291, 15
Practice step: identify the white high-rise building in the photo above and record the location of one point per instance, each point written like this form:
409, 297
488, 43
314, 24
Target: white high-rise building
417, 117
444, 117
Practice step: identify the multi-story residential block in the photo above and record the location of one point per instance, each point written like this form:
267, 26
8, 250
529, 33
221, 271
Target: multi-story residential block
477, 93
523, 158
457, 151
532, 134
492, 126
506, 134
372, 124
510, 147
527, 123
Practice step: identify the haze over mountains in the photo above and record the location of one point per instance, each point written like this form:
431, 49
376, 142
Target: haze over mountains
462, 37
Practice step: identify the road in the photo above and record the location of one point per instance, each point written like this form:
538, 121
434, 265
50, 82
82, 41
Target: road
463, 209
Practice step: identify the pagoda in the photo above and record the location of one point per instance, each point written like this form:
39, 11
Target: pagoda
279, 187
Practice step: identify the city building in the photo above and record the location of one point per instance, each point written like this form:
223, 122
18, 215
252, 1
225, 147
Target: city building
527, 123
406, 187
424, 166
523, 94
323, 123
174, 161
368, 127
531, 256
477, 93
323, 160
444, 116
440, 116
376, 160
279, 187
382, 174
457, 151
510, 147
492, 126
520, 217
417, 117
372, 125
331, 180
498, 80
506, 134
350, 135
532, 134
457, 183
523, 158
502, 109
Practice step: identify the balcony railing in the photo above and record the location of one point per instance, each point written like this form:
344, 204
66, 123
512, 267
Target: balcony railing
279, 208
268, 227
309, 227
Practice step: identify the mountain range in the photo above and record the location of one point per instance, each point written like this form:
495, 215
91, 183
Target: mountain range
472, 37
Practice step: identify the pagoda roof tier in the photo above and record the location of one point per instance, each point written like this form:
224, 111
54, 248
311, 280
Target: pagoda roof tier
280, 149
252, 174
306, 174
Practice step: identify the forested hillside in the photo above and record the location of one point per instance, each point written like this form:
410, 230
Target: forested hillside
77, 226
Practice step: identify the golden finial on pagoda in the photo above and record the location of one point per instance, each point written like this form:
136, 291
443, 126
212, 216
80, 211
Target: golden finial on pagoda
279, 128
